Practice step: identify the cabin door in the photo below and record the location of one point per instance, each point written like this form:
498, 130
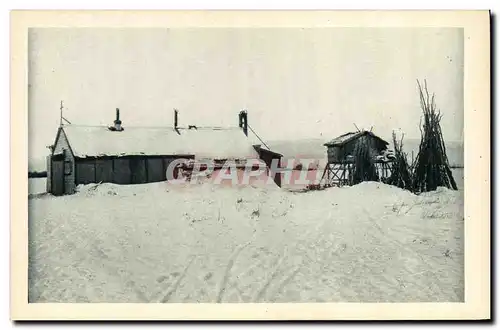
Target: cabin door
57, 176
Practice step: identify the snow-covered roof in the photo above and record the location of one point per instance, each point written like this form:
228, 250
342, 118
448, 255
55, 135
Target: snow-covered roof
344, 138
202, 142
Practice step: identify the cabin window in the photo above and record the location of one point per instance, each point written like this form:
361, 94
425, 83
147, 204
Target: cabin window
67, 167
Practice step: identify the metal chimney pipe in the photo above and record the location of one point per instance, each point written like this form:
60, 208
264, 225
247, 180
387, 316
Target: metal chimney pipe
243, 116
118, 122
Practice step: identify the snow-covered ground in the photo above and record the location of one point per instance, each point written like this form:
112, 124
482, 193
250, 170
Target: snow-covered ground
300, 179
204, 243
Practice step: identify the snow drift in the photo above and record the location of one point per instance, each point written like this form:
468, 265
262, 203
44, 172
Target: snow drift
205, 243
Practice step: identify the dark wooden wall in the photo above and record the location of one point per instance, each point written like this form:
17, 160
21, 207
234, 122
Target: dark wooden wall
338, 154
268, 156
138, 170
85, 171
103, 170
123, 170
156, 171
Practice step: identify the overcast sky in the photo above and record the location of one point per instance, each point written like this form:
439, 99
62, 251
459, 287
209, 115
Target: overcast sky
296, 83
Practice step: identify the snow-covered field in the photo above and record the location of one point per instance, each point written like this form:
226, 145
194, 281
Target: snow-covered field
300, 179
204, 243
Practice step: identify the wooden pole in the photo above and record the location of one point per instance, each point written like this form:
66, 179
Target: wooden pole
61, 117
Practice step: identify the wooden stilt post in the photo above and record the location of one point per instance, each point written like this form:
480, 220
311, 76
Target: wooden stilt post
342, 174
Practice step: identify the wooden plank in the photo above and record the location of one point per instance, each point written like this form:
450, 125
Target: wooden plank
138, 170
85, 172
121, 171
49, 174
155, 170
104, 170
335, 173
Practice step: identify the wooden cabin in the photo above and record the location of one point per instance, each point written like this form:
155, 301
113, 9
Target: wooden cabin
135, 155
341, 149
340, 152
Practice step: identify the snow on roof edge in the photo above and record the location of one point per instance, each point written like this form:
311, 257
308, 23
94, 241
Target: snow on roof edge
344, 138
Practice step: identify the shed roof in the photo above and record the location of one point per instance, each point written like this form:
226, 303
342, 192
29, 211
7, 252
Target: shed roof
345, 138
202, 142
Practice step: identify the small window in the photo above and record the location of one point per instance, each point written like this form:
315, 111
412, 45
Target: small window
67, 167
